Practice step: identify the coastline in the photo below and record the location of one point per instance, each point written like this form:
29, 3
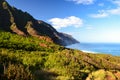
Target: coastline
98, 48
85, 51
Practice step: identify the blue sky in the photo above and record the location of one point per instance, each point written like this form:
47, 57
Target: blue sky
85, 20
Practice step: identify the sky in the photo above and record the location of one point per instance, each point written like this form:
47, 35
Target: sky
85, 20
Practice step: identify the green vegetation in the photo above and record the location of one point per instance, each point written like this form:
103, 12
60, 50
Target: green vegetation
37, 58
24, 58
104, 75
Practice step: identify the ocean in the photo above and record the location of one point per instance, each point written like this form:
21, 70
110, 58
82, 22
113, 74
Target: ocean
104, 48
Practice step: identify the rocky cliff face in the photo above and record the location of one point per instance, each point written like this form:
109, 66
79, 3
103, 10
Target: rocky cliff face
22, 23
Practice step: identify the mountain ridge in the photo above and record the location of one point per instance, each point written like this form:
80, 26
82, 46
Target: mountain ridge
22, 23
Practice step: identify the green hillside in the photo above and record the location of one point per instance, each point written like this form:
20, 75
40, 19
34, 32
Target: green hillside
30, 58
30, 50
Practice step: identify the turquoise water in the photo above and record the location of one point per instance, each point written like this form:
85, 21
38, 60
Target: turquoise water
107, 48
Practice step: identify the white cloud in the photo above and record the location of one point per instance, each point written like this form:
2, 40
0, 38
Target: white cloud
101, 14
101, 4
115, 11
116, 2
59, 23
106, 13
85, 2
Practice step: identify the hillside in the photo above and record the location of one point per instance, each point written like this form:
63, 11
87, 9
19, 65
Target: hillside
22, 23
31, 58
31, 53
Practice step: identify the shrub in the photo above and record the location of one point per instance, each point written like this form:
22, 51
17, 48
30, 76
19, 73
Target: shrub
18, 72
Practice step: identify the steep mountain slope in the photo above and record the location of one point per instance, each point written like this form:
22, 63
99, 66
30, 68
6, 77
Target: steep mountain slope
22, 23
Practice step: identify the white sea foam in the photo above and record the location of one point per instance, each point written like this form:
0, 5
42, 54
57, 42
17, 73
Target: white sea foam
88, 51
102, 48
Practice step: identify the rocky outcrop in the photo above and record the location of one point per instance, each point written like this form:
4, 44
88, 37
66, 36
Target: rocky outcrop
22, 23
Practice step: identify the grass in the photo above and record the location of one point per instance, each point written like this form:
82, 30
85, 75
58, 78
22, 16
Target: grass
51, 61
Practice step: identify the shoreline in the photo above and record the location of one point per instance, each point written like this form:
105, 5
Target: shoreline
88, 51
